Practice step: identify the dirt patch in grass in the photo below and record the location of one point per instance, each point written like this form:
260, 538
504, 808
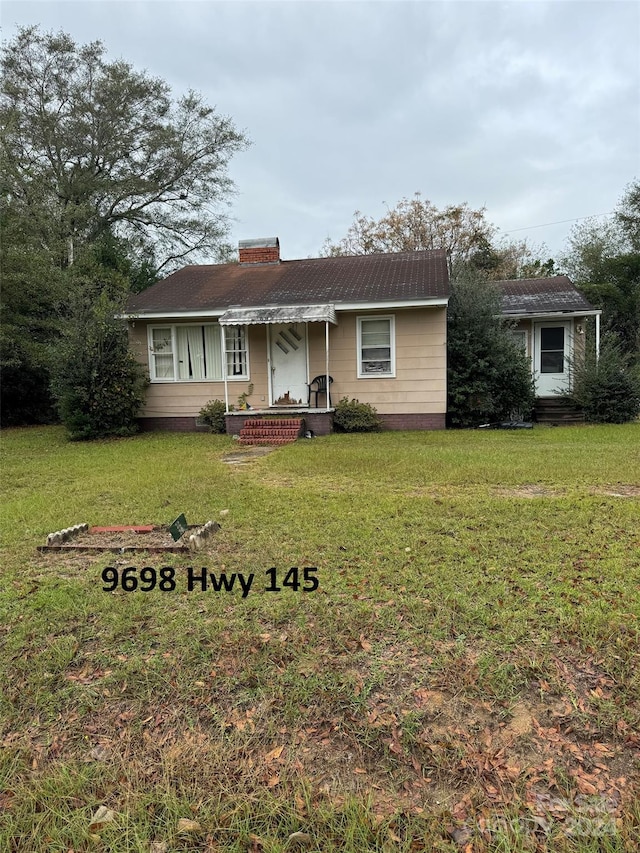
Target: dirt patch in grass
244, 454
529, 491
160, 538
619, 491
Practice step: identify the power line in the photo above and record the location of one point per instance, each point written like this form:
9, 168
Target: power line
559, 222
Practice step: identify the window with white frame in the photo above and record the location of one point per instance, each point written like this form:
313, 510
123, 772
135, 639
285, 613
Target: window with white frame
236, 351
194, 353
376, 346
161, 348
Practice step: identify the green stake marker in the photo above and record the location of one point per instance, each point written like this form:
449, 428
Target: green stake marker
178, 528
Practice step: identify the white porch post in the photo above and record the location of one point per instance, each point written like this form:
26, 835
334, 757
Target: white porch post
224, 367
597, 338
326, 357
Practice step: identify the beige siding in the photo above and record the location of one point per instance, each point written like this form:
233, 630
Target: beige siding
579, 339
185, 399
419, 385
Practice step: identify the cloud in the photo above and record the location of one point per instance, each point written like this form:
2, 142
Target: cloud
529, 108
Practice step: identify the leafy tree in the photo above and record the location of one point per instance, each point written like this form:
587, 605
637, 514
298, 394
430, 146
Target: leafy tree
603, 259
628, 215
488, 375
30, 301
417, 224
91, 146
105, 179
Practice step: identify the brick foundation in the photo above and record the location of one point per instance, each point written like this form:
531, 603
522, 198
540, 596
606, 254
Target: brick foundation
320, 423
413, 422
171, 425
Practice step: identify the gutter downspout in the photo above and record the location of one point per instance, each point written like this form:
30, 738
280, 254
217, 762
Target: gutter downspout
597, 338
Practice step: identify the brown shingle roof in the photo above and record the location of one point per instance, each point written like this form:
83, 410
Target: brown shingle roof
361, 278
542, 296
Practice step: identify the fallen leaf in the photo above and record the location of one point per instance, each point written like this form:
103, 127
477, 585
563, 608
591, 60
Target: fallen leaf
365, 644
186, 825
158, 847
102, 815
100, 753
299, 839
585, 787
274, 754
273, 781
6, 800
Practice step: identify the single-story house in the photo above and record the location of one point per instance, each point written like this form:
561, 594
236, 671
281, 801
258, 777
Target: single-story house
258, 332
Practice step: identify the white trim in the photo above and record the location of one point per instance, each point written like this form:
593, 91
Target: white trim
170, 316
246, 377
174, 351
552, 315
562, 382
387, 306
269, 366
392, 343
326, 364
151, 355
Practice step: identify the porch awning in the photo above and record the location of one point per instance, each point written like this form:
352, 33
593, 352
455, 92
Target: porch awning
279, 314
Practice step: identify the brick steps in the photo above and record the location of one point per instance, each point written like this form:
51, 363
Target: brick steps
271, 431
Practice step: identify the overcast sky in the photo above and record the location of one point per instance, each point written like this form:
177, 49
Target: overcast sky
531, 109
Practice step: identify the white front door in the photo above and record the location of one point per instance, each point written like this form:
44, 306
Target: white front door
552, 357
288, 354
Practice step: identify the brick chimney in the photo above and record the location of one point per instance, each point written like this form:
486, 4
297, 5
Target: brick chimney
265, 250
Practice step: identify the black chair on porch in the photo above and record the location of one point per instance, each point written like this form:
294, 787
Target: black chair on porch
321, 388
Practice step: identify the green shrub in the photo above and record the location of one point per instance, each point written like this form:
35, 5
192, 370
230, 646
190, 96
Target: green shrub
488, 375
213, 416
608, 390
98, 384
354, 416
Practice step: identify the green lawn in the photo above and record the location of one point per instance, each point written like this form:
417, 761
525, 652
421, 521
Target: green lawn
465, 678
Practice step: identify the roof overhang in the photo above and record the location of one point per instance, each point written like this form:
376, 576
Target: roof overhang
386, 305
551, 315
218, 313
279, 314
